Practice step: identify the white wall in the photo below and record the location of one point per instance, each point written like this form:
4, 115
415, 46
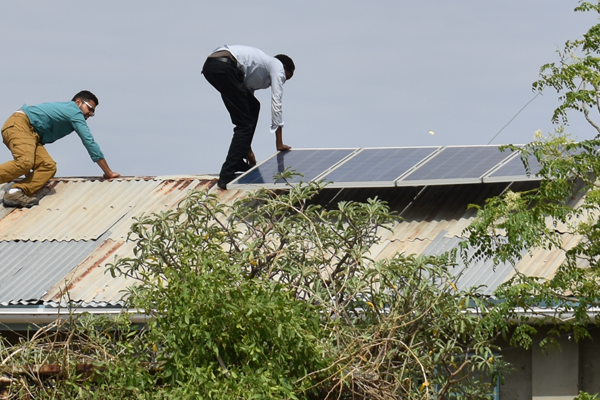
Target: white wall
555, 373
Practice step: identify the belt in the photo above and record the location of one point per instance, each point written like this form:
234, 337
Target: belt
224, 59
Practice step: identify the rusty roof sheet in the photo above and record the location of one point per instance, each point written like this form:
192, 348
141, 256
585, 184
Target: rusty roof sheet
77, 209
90, 281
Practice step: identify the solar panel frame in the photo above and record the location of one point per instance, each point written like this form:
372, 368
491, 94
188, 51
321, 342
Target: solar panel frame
389, 170
255, 177
439, 162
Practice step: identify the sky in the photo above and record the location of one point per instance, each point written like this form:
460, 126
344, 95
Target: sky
368, 74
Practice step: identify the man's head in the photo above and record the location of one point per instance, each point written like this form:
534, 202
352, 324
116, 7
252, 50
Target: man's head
288, 65
87, 103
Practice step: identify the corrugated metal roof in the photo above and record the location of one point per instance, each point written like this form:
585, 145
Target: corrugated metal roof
81, 225
434, 219
90, 281
29, 269
478, 273
164, 196
84, 210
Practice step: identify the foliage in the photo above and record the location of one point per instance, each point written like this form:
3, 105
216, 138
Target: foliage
562, 214
78, 357
276, 297
586, 396
576, 75
270, 297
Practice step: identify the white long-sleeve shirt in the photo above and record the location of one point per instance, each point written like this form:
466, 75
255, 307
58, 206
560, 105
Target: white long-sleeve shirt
260, 72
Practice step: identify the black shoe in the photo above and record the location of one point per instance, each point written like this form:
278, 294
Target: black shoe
222, 182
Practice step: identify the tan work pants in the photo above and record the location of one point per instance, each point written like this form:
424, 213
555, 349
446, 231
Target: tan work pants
30, 157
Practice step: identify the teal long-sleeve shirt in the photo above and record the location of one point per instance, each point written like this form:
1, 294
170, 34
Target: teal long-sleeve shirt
52, 121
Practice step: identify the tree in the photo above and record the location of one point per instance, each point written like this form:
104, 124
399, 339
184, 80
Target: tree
272, 297
576, 76
276, 297
513, 223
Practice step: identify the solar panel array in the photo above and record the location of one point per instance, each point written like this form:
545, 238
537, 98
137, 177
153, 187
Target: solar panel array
389, 167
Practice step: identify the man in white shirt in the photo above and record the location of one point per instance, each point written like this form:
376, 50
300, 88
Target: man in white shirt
236, 72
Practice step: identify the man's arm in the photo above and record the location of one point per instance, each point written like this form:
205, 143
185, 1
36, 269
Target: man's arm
277, 80
108, 173
279, 140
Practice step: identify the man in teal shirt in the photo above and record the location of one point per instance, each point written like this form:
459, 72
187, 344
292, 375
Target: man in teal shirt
27, 131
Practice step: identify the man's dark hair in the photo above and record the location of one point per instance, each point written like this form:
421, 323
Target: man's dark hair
86, 95
286, 61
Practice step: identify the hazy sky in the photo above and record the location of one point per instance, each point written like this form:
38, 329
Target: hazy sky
368, 74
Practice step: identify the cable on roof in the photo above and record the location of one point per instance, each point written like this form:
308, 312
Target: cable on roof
511, 120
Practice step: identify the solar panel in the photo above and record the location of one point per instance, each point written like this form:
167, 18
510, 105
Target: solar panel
453, 165
309, 162
514, 170
383, 167
377, 166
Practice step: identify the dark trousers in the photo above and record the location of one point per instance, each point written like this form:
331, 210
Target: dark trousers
243, 108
